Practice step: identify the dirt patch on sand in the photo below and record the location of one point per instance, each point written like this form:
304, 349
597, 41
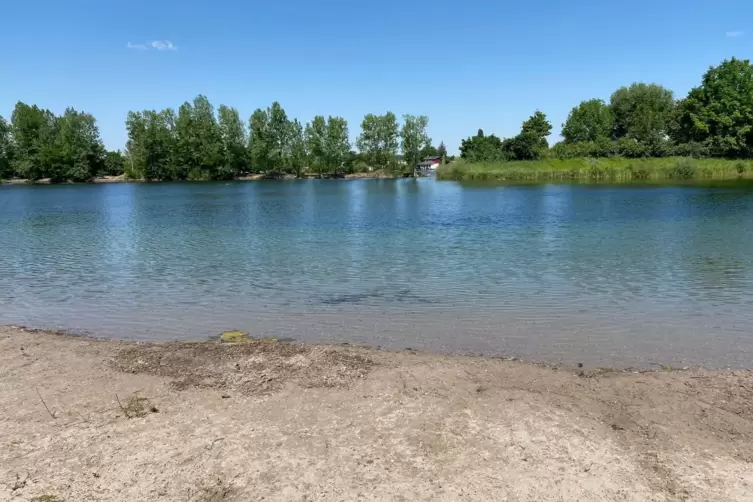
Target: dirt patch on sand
252, 368
85, 419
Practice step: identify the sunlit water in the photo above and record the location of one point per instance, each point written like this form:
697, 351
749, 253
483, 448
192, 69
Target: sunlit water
604, 275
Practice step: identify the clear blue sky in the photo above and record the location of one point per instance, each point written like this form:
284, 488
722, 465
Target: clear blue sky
466, 65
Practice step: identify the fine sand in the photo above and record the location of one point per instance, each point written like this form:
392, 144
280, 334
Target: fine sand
83, 419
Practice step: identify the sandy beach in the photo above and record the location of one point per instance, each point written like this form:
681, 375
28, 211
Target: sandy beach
85, 419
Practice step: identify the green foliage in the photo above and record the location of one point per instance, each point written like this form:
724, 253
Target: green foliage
152, 146
277, 138
328, 144
615, 169
7, 150
299, 155
442, 152
524, 146
536, 129
591, 120
114, 164
198, 143
258, 140
415, 140
719, 113
642, 112
530, 144
379, 140
61, 148
233, 136
482, 148
337, 144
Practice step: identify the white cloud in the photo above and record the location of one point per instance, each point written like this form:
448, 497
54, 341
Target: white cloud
735, 34
163, 45
158, 45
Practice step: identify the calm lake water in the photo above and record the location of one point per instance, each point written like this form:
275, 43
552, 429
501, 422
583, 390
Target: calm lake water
604, 275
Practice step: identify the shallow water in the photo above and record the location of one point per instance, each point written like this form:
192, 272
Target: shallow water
604, 275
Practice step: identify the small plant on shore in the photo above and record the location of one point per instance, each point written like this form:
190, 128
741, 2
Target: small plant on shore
136, 406
47, 498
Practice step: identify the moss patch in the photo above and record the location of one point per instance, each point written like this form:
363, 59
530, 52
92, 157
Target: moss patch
234, 337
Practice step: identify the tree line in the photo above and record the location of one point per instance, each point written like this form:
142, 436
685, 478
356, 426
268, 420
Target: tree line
200, 143
715, 119
38, 144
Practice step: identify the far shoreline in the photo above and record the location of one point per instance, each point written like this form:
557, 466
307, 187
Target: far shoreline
255, 177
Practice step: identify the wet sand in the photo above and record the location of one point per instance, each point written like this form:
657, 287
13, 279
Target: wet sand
84, 419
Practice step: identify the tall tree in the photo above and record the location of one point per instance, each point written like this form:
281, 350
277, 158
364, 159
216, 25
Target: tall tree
298, 149
136, 153
258, 140
442, 151
337, 144
158, 145
34, 133
233, 138
719, 113
316, 143
414, 138
642, 112
278, 138
538, 128
379, 139
6, 149
81, 152
210, 155
591, 120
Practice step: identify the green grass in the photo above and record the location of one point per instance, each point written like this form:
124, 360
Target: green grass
612, 169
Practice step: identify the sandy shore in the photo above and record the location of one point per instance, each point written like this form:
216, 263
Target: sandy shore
83, 419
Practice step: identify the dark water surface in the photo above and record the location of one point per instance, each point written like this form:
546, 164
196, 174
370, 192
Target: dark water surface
605, 275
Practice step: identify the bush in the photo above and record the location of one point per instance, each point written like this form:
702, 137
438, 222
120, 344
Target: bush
684, 170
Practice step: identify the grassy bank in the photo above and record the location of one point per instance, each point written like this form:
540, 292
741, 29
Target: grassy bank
608, 169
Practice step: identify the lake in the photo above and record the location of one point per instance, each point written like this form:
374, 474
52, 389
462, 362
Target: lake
598, 274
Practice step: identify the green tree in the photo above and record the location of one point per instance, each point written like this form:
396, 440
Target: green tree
379, 140
258, 140
414, 138
34, 133
6, 150
442, 152
719, 113
482, 149
233, 137
316, 142
337, 144
299, 157
278, 138
537, 128
114, 163
199, 150
160, 144
642, 112
591, 120
136, 154
80, 152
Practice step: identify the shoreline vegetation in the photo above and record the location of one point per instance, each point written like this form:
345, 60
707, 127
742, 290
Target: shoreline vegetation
84, 418
199, 143
611, 170
642, 134
251, 177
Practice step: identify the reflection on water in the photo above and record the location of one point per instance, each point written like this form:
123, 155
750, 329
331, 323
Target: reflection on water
606, 275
